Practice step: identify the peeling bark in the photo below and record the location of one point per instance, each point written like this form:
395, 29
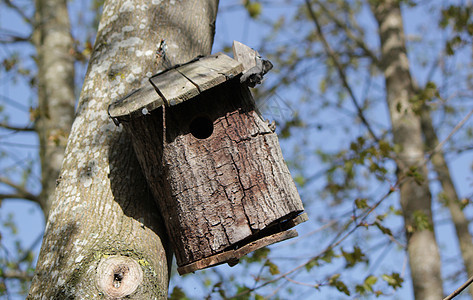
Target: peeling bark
55, 112
102, 206
424, 257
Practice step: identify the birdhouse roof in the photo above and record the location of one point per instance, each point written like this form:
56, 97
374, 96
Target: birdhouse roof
177, 85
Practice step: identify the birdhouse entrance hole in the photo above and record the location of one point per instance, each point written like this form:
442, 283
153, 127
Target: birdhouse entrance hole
201, 127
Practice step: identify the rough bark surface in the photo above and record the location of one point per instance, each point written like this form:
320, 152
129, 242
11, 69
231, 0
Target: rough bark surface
56, 99
424, 257
450, 196
102, 206
219, 190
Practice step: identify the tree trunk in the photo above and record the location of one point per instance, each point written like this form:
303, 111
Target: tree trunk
450, 194
104, 237
56, 100
415, 195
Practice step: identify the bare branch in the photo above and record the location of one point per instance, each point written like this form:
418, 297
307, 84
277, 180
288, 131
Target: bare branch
8, 36
340, 69
342, 25
21, 192
17, 274
438, 148
460, 289
16, 128
300, 283
18, 10
14, 39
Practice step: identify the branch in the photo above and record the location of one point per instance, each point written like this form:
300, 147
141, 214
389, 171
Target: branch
21, 192
460, 289
342, 25
340, 70
16, 128
17, 274
14, 39
438, 148
300, 283
18, 10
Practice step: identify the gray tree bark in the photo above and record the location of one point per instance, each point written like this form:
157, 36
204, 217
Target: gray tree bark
104, 236
451, 198
55, 112
424, 257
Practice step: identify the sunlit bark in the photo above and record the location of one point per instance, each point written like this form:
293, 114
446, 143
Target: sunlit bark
103, 217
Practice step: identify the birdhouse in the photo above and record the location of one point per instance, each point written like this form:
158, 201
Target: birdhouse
214, 165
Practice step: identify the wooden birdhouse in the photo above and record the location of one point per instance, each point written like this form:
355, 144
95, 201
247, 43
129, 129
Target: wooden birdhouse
213, 164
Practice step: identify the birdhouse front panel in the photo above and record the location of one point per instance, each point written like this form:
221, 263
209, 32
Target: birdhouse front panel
222, 174
213, 164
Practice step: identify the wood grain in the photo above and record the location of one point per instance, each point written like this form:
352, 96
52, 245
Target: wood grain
217, 193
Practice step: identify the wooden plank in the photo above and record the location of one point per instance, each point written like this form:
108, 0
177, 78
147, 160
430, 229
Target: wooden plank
187, 81
211, 71
140, 101
245, 55
296, 221
174, 87
232, 256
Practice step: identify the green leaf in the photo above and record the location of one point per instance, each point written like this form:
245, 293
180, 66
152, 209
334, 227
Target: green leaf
371, 280
352, 258
384, 148
367, 285
328, 256
312, 263
394, 280
254, 9
273, 269
244, 291
421, 221
416, 175
258, 255
381, 227
338, 284
323, 86
178, 294
361, 203
300, 180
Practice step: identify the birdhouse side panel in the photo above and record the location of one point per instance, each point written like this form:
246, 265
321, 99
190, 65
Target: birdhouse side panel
147, 133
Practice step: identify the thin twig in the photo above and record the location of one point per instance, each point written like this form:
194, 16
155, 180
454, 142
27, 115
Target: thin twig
460, 289
16, 128
340, 70
454, 130
298, 282
342, 25
17, 274
18, 10
21, 192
